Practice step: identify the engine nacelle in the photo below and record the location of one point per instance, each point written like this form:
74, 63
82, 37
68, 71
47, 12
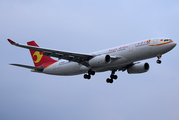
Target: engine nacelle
138, 68
100, 60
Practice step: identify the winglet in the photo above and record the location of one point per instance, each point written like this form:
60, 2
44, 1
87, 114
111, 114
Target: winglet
10, 41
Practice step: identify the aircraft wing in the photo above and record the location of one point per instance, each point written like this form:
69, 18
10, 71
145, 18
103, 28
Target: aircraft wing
71, 56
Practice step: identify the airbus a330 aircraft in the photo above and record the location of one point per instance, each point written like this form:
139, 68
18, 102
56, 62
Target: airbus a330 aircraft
119, 58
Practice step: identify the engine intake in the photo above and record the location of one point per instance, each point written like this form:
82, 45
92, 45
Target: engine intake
138, 68
100, 60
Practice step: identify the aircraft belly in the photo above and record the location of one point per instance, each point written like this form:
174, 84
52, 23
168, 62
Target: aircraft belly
70, 68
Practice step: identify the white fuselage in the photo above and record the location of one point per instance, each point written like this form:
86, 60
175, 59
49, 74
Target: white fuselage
127, 54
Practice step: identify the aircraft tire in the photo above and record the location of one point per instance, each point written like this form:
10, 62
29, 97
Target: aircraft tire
85, 76
111, 81
108, 80
88, 76
159, 61
113, 77
90, 72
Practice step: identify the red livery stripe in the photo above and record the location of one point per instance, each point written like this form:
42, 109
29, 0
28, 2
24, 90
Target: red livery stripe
161, 43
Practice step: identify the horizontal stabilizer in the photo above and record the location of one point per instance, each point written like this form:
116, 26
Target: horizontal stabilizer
40, 69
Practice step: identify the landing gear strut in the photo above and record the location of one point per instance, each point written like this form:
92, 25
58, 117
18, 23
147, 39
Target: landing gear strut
112, 76
159, 61
88, 76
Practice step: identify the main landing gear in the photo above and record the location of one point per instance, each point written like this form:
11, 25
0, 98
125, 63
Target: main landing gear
88, 76
108, 80
112, 76
159, 57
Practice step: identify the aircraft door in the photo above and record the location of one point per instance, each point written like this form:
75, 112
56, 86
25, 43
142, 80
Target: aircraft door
131, 47
155, 42
130, 55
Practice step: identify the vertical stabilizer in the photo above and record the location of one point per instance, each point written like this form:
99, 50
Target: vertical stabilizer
38, 58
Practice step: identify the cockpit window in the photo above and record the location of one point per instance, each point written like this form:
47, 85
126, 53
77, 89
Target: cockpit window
167, 40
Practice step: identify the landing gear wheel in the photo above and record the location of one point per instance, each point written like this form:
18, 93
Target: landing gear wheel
159, 61
111, 81
90, 72
159, 57
113, 77
87, 76
108, 80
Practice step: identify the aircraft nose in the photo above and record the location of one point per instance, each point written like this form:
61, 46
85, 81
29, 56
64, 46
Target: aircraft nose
174, 44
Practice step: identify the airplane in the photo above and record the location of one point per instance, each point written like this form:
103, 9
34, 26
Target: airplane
120, 58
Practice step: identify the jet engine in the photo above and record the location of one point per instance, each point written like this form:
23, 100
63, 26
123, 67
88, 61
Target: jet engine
100, 60
138, 68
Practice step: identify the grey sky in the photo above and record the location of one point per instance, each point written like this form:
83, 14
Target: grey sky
84, 27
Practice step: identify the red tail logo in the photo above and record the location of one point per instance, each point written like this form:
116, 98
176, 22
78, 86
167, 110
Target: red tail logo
38, 58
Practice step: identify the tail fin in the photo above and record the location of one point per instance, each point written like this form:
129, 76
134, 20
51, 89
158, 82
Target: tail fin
38, 58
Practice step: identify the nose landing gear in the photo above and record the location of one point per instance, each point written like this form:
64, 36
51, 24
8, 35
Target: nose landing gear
159, 57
